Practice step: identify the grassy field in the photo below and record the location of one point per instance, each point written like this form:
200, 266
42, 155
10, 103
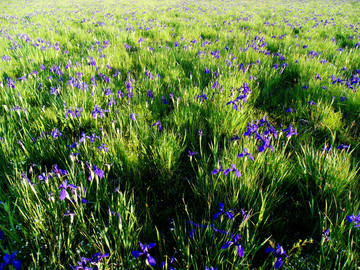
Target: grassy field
179, 135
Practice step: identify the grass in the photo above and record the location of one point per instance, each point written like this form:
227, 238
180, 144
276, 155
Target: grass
144, 107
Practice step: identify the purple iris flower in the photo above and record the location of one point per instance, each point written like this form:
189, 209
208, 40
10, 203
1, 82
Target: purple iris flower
311, 102
145, 251
233, 169
94, 260
82, 264
107, 91
6, 58
149, 93
326, 234
10, 83
328, 149
342, 146
92, 138
163, 100
192, 233
68, 214
53, 90
235, 241
98, 172
229, 214
10, 259
97, 257
290, 131
117, 73
103, 147
63, 187
191, 153
71, 112
251, 129
234, 103
98, 111
355, 219
78, 111
132, 116
57, 170
278, 252
201, 97
158, 124
265, 143
55, 133
217, 170
246, 153
172, 261
43, 177
290, 110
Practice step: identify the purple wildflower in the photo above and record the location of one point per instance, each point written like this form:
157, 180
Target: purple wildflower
229, 214
132, 116
145, 251
55, 133
6, 58
191, 153
246, 153
311, 102
342, 146
98, 172
326, 234
328, 149
355, 219
235, 241
290, 131
158, 124
278, 252
164, 264
290, 110
63, 187
103, 147
10, 259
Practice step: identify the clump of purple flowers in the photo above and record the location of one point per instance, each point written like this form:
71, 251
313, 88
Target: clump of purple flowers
264, 138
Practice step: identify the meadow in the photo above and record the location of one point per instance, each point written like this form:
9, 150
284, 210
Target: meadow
179, 134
